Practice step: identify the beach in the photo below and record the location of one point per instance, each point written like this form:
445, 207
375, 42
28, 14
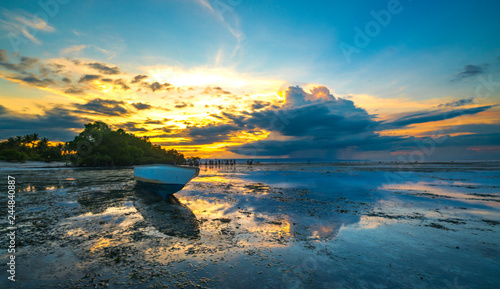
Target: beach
269, 225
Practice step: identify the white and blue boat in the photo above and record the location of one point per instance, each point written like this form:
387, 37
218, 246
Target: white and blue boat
164, 179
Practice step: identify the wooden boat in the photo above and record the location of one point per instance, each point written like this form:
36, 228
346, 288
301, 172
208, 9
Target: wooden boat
164, 179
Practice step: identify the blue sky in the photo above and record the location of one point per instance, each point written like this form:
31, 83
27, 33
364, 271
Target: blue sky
427, 54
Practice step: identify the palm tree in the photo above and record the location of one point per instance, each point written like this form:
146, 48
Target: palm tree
12, 142
43, 144
35, 137
27, 139
31, 139
19, 143
19, 140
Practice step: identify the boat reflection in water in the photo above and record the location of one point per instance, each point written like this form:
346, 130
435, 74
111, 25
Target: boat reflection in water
97, 202
167, 214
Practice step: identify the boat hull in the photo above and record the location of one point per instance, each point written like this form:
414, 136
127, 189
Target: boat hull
160, 189
164, 179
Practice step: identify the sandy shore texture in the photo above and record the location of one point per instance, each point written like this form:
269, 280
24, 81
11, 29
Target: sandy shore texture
344, 225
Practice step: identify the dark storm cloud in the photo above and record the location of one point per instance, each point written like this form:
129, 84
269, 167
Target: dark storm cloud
297, 146
133, 126
33, 72
215, 90
25, 63
3, 56
484, 139
156, 86
447, 147
168, 129
460, 102
57, 66
310, 121
49, 70
3, 110
183, 105
160, 135
211, 133
259, 104
88, 77
34, 80
138, 78
56, 123
216, 116
141, 106
74, 90
149, 121
9, 66
435, 115
103, 107
320, 118
319, 123
219, 89
469, 71
103, 68
239, 120
482, 128
121, 83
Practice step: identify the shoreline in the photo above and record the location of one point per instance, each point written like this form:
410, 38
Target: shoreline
33, 164
40, 164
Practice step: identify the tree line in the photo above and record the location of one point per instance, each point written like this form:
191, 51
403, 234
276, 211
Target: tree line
96, 145
30, 147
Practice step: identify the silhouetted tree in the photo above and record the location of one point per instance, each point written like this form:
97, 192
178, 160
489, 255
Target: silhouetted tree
30, 147
98, 145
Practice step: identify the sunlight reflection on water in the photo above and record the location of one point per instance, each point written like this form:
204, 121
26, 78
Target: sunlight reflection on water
317, 225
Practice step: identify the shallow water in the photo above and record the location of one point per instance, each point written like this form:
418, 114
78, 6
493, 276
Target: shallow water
347, 225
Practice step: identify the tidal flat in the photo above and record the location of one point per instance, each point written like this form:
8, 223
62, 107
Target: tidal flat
316, 225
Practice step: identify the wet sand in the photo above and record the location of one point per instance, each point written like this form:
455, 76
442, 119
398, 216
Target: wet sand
349, 225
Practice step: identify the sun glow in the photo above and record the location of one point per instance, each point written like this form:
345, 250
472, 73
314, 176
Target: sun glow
204, 76
104, 87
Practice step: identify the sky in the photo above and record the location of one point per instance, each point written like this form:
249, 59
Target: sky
373, 80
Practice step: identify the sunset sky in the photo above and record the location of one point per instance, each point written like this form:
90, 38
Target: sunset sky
378, 80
